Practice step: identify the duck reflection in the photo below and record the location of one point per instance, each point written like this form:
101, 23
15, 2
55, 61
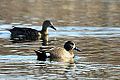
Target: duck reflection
44, 39
65, 70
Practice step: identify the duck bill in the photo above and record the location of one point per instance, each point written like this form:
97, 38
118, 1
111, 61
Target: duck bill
77, 49
53, 27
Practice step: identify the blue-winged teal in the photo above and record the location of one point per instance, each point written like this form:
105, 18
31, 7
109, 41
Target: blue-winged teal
66, 52
59, 52
17, 32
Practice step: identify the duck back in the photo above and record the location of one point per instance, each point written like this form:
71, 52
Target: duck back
60, 53
24, 31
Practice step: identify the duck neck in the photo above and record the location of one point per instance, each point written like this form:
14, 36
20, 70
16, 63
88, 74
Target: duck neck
71, 52
44, 30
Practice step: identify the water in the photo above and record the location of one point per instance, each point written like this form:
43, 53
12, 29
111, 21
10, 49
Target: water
96, 34
98, 60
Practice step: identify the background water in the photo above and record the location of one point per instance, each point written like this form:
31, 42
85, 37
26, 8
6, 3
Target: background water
92, 24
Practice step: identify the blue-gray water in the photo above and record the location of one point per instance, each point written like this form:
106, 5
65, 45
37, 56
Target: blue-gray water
94, 25
98, 60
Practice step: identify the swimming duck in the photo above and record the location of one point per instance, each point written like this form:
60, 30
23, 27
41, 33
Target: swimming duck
29, 33
66, 52
59, 52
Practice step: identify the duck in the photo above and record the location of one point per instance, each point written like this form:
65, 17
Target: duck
59, 53
29, 33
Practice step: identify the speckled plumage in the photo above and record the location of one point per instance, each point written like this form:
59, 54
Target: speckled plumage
60, 53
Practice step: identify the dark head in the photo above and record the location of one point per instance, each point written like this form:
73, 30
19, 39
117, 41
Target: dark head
47, 24
69, 45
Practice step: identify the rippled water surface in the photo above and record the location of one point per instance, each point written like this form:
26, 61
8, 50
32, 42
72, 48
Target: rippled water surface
74, 20
98, 60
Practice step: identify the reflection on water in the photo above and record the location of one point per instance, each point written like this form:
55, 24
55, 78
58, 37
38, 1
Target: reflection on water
100, 56
98, 60
26, 67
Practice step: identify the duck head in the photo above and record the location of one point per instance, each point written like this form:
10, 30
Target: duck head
69, 45
47, 24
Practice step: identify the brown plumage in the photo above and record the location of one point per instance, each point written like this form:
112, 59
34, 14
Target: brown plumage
29, 33
59, 53
66, 52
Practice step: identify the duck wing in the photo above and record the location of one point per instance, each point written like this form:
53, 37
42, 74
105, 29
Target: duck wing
24, 31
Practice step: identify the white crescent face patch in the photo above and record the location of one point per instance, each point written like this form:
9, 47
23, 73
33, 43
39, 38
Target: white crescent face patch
74, 46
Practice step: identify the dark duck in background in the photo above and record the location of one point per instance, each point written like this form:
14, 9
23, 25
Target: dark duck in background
26, 34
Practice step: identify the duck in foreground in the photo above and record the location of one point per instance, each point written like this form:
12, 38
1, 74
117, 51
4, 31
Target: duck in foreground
29, 33
59, 53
